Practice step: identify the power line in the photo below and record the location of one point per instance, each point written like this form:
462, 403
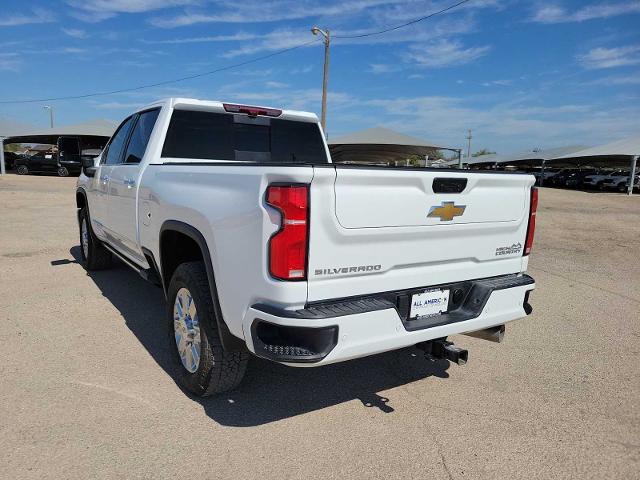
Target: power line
230, 67
397, 27
165, 82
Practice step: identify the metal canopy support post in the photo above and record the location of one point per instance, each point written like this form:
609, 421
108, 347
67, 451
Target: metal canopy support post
632, 173
460, 158
2, 167
542, 174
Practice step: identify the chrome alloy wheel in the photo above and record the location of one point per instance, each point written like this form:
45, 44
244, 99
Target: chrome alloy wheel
186, 328
84, 236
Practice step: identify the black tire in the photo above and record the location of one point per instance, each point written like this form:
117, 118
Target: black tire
94, 255
622, 187
63, 172
22, 170
218, 370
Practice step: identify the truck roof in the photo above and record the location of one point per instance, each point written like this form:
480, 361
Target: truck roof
180, 103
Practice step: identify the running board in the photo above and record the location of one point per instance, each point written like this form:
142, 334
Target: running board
147, 273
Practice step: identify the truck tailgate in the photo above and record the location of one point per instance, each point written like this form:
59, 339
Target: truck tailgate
376, 230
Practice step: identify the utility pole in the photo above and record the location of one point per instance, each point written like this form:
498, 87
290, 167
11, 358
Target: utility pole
632, 174
469, 137
327, 41
47, 107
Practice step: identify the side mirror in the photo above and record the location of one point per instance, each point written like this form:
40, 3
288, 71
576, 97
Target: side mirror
89, 166
88, 162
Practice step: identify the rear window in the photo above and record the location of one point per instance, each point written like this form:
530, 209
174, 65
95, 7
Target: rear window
238, 137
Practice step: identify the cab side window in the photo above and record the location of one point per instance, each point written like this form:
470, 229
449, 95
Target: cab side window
140, 136
116, 145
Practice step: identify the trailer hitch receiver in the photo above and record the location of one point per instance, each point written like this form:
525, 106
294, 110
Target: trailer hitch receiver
442, 349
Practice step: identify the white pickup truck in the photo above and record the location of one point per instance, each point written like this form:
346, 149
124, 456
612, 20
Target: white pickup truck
265, 247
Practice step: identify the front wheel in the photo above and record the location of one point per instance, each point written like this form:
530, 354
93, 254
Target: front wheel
22, 170
94, 255
63, 172
201, 364
622, 187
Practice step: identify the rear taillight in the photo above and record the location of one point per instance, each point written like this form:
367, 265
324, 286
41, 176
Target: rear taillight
288, 246
532, 221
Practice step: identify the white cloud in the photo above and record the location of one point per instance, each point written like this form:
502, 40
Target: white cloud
10, 62
504, 125
252, 11
236, 37
118, 106
99, 10
272, 84
37, 15
552, 13
75, 32
610, 57
499, 83
273, 41
633, 79
378, 68
445, 53
301, 70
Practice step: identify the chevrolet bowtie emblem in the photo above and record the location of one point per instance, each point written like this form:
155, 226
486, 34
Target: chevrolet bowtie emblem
446, 211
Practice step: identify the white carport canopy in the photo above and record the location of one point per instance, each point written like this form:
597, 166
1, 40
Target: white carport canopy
93, 128
380, 145
15, 133
614, 154
529, 158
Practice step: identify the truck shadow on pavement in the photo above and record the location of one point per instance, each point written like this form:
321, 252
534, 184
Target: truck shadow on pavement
270, 391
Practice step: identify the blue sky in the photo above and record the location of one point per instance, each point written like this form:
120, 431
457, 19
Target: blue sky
521, 74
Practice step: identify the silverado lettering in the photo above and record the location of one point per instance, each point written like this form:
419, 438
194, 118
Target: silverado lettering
340, 270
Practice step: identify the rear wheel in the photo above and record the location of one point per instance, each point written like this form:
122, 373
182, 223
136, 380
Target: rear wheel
201, 365
622, 187
22, 170
94, 255
63, 172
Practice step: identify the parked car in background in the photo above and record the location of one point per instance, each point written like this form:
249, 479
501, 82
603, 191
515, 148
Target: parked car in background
595, 181
548, 174
559, 179
10, 159
63, 159
44, 161
619, 182
576, 179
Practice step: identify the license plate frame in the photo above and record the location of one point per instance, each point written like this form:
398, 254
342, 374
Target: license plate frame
429, 303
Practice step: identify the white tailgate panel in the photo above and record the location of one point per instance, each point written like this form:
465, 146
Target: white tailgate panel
392, 198
399, 257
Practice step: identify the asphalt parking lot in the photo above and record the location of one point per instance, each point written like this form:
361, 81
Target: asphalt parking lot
85, 391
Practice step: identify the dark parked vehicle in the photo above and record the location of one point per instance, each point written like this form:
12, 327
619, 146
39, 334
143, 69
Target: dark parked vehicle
65, 159
39, 162
576, 179
560, 178
10, 159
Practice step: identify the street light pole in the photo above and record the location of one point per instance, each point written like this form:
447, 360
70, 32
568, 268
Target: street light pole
327, 41
47, 107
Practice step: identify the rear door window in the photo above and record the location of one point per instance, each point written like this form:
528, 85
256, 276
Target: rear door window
116, 145
238, 137
140, 136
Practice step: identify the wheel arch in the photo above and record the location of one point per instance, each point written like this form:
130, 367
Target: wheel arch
81, 201
193, 246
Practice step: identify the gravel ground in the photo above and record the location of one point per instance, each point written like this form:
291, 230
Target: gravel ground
85, 391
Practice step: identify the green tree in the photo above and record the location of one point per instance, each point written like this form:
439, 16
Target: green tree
482, 152
13, 147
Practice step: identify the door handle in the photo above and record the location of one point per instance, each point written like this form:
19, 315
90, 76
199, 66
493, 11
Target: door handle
104, 178
129, 182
